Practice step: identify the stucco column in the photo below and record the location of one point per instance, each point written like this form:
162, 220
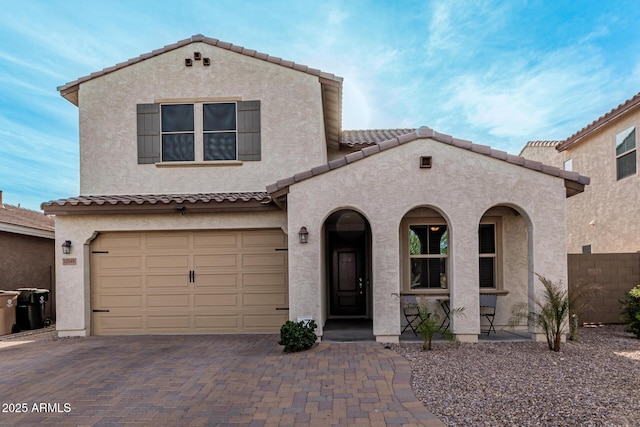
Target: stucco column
548, 258
305, 274
464, 291
73, 298
386, 282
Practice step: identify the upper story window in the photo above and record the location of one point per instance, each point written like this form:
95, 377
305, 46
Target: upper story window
626, 153
219, 127
199, 132
177, 133
218, 130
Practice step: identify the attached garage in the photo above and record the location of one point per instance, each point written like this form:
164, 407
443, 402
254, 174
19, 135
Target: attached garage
189, 282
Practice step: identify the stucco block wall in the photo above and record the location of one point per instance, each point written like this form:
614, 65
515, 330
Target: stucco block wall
462, 186
73, 302
292, 127
28, 262
615, 273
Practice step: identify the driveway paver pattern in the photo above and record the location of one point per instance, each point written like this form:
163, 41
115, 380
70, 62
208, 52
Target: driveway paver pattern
205, 380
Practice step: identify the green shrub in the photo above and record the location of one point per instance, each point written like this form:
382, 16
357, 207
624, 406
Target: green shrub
297, 336
630, 311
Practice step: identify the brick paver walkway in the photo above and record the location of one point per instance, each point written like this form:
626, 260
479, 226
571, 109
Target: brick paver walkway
205, 380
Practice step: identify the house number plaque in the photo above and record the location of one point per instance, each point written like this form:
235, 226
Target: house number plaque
69, 261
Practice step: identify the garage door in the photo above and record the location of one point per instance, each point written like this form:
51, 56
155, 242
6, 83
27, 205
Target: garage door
197, 282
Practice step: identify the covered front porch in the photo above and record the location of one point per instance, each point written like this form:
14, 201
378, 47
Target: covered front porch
427, 218
361, 330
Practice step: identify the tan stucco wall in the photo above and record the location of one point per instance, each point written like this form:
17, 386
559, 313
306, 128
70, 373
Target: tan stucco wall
462, 185
547, 155
604, 216
292, 129
28, 262
73, 291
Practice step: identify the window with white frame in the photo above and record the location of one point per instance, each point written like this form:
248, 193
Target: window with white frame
428, 254
626, 153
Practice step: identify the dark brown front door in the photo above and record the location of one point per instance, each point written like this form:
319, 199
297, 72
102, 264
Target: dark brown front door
348, 293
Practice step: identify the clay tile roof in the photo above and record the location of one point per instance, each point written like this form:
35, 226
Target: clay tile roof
626, 107
578, 181
15, 215
537, 144
542, 143
351, 138
155, 200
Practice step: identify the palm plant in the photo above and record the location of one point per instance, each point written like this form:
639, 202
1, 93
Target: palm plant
431, 324
551, 314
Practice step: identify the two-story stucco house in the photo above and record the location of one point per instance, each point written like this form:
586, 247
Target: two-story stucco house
219, 194
603, 219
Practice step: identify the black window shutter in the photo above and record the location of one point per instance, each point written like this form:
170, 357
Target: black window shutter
148, 133
249, 130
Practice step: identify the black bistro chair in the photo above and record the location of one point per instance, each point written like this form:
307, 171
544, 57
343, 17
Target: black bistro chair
488, 304
411, 312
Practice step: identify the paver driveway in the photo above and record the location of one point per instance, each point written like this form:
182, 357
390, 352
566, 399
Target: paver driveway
205, 380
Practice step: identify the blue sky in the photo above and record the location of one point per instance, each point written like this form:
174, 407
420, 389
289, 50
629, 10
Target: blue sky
499, 73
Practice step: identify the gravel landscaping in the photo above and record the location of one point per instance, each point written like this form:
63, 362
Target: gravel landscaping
592, 382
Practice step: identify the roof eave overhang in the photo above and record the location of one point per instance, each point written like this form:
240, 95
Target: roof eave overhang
573, 187
602, 122
27, 231
163, 208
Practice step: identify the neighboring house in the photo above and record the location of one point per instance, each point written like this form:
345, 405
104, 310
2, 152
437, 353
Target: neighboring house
27, 251
603, 232
604, 218
219, 194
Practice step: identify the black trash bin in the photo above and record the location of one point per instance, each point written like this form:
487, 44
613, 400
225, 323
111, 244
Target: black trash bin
30, 310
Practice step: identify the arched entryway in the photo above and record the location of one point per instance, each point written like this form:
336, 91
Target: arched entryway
348, 265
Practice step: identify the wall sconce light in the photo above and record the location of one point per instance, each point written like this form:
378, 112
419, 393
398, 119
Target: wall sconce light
66, 247
303, 235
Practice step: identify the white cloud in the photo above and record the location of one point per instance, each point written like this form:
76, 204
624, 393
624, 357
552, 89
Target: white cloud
520, 101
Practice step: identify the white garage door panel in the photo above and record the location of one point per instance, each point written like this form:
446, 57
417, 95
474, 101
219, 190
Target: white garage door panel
190, 282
